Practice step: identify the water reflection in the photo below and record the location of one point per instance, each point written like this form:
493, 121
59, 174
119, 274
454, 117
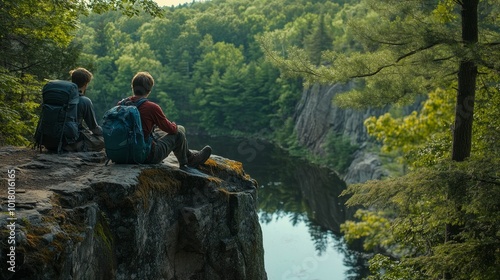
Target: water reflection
303, 195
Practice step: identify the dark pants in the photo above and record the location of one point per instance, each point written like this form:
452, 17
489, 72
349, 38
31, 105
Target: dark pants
88, 142
166, 143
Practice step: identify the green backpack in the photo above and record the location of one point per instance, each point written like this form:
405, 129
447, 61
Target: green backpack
123, 136
58, 124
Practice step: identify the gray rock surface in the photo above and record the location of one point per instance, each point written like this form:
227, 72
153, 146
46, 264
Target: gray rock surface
365, 166
317, 116
76, 218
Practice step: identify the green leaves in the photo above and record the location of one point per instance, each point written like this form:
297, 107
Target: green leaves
127, 7
411, 133
444, 11
417, 207
373, 227
19, 99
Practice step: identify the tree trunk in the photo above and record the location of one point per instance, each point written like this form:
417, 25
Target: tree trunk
464, 110
467, 72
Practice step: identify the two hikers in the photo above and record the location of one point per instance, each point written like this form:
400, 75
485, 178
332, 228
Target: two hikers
157, 144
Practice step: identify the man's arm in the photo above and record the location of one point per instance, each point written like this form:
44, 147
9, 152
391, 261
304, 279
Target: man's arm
88, 115
162, 122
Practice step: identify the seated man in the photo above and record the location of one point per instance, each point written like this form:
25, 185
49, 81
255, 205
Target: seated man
91, 139
170, 137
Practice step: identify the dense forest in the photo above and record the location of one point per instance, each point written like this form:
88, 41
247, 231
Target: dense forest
238, 67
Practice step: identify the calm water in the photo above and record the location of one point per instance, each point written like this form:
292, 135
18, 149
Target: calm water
300, 212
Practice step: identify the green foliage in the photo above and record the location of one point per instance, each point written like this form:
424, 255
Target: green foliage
372, 226
391, 270
444, 11
19, 99
34, 20
436, 194
33, 40
205, 58
318, 41
486, 120
127, 7
442, 217
339, 152
424, 137
419, 205
34, 44
412, 132
397, 50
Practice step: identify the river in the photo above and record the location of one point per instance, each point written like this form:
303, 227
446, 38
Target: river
300, 212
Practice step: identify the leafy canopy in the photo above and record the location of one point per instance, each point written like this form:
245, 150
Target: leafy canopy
36, 42
400, 50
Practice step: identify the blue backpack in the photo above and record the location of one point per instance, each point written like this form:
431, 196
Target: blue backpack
123, 136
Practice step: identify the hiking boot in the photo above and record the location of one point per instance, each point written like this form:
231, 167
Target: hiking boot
195, 159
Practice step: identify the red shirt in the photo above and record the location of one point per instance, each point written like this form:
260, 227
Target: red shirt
152, 114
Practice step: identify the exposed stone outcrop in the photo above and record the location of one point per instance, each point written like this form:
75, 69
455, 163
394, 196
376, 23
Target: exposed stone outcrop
317, 116
79, 219
365, 166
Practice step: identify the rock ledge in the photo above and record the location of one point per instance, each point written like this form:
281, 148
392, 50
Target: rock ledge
76, 218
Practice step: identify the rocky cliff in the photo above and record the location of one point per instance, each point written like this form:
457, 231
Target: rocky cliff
317, 117
71, 217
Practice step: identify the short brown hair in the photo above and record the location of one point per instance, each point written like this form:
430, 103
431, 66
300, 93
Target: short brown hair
81, 76
142, 83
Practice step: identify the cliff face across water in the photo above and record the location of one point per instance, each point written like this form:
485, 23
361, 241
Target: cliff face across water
317, 117
71, 217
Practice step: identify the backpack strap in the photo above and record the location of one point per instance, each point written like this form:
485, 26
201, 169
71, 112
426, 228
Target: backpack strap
39, 140
140, 102
128, 102
59, 147
125, 101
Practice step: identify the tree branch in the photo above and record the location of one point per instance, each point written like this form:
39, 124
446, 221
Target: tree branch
488, 182
398, 60
385, 42
416, 51
493, 44
443, 59
374, 72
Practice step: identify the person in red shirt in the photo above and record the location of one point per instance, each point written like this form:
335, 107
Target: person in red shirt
169, 137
